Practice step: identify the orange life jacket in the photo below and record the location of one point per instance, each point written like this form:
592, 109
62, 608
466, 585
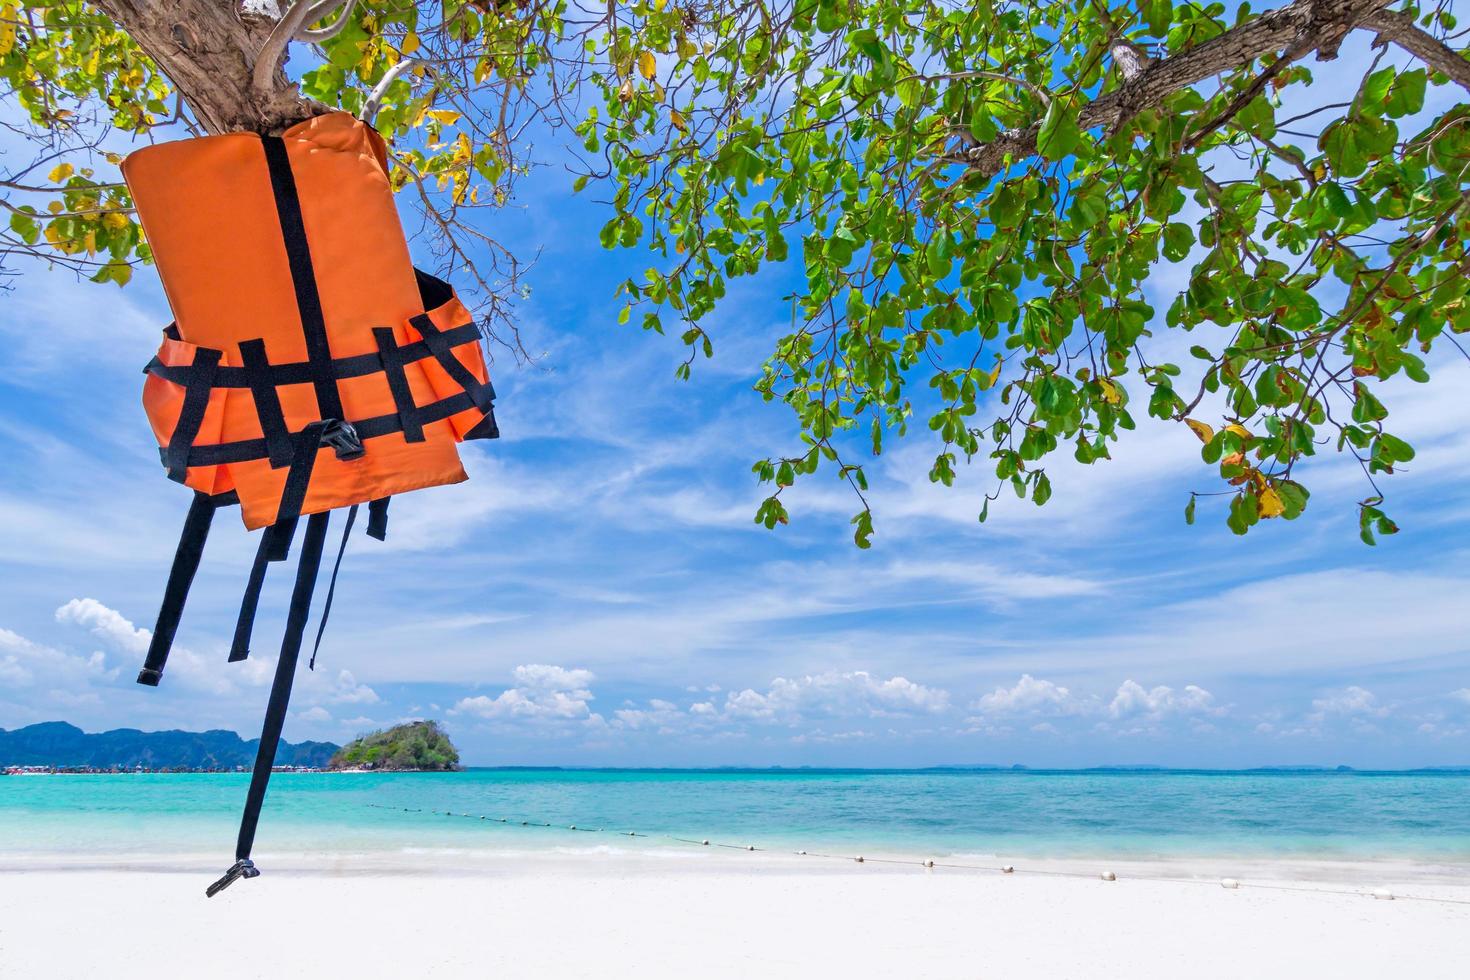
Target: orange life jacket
309, 367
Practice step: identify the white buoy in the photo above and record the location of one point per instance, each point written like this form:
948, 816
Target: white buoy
705, 843
572, 827
1007, 869
1383, 893
1229, 883
928, 864
801, 852
859, 859
482, 816
1109, 876
750, 847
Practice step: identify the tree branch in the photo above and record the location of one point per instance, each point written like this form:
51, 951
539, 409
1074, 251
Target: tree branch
268, 59
332, 29
1325, 21
1400, 28
375, 97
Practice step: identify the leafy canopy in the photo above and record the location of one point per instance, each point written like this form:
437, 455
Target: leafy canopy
977, 196
414, 745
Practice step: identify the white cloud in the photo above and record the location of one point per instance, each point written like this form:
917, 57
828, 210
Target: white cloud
1028, 695
23, 661
1132, 700
106, 624
346, 690
834, 694
545, 693
211, 675
1347, 702
1463, 694
664, 716
315, 714
550, 678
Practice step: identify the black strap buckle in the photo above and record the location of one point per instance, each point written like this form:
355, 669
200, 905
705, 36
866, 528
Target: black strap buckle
243, 868
343, 439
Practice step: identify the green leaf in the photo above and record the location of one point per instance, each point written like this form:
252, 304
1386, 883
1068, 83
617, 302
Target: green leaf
1059, 136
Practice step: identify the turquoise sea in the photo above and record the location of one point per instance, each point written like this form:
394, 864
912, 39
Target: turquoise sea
1126, 814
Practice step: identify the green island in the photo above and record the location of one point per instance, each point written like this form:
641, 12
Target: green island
418, 746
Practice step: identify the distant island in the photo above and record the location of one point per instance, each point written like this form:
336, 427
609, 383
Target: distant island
61, 747
418, 746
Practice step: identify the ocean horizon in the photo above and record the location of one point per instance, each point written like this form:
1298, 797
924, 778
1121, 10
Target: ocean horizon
1124, 813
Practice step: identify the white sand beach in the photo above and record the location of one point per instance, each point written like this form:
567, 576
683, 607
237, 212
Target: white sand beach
705, 915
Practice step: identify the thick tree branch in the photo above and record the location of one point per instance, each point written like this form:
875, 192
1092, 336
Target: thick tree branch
208, 51
268, 61
1400, 28
1325, 22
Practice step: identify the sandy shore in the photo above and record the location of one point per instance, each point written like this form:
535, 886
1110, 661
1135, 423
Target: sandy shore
619, 915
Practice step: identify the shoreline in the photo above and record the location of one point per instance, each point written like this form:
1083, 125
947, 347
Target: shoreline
1364, 874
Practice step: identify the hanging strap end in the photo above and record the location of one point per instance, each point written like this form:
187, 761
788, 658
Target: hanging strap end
149, 676
243, 868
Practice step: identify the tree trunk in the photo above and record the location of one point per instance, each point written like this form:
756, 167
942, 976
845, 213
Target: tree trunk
208, 51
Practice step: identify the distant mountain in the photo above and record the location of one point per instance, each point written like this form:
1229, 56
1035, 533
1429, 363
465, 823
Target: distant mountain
56, 743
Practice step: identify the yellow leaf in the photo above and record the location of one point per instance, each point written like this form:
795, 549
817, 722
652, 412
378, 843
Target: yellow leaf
410, 43
1204, 432
1270, 503
1239, 430
7, 28
448, 117
1111, 395
62, 171
647, 65
677, 118
114, 221
625, 94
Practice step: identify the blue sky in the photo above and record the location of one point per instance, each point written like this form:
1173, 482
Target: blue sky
598, 595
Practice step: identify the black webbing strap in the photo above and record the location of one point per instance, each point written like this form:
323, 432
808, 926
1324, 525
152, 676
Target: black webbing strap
267, 403
481, 394
180, 577
250, 601
191, 413
303, 277
408, 411
377, 526
244, 450
304, 372
307, 443
278, 537
280, 700
332, 587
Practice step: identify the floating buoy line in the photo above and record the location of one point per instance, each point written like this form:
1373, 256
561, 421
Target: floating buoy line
930, 864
